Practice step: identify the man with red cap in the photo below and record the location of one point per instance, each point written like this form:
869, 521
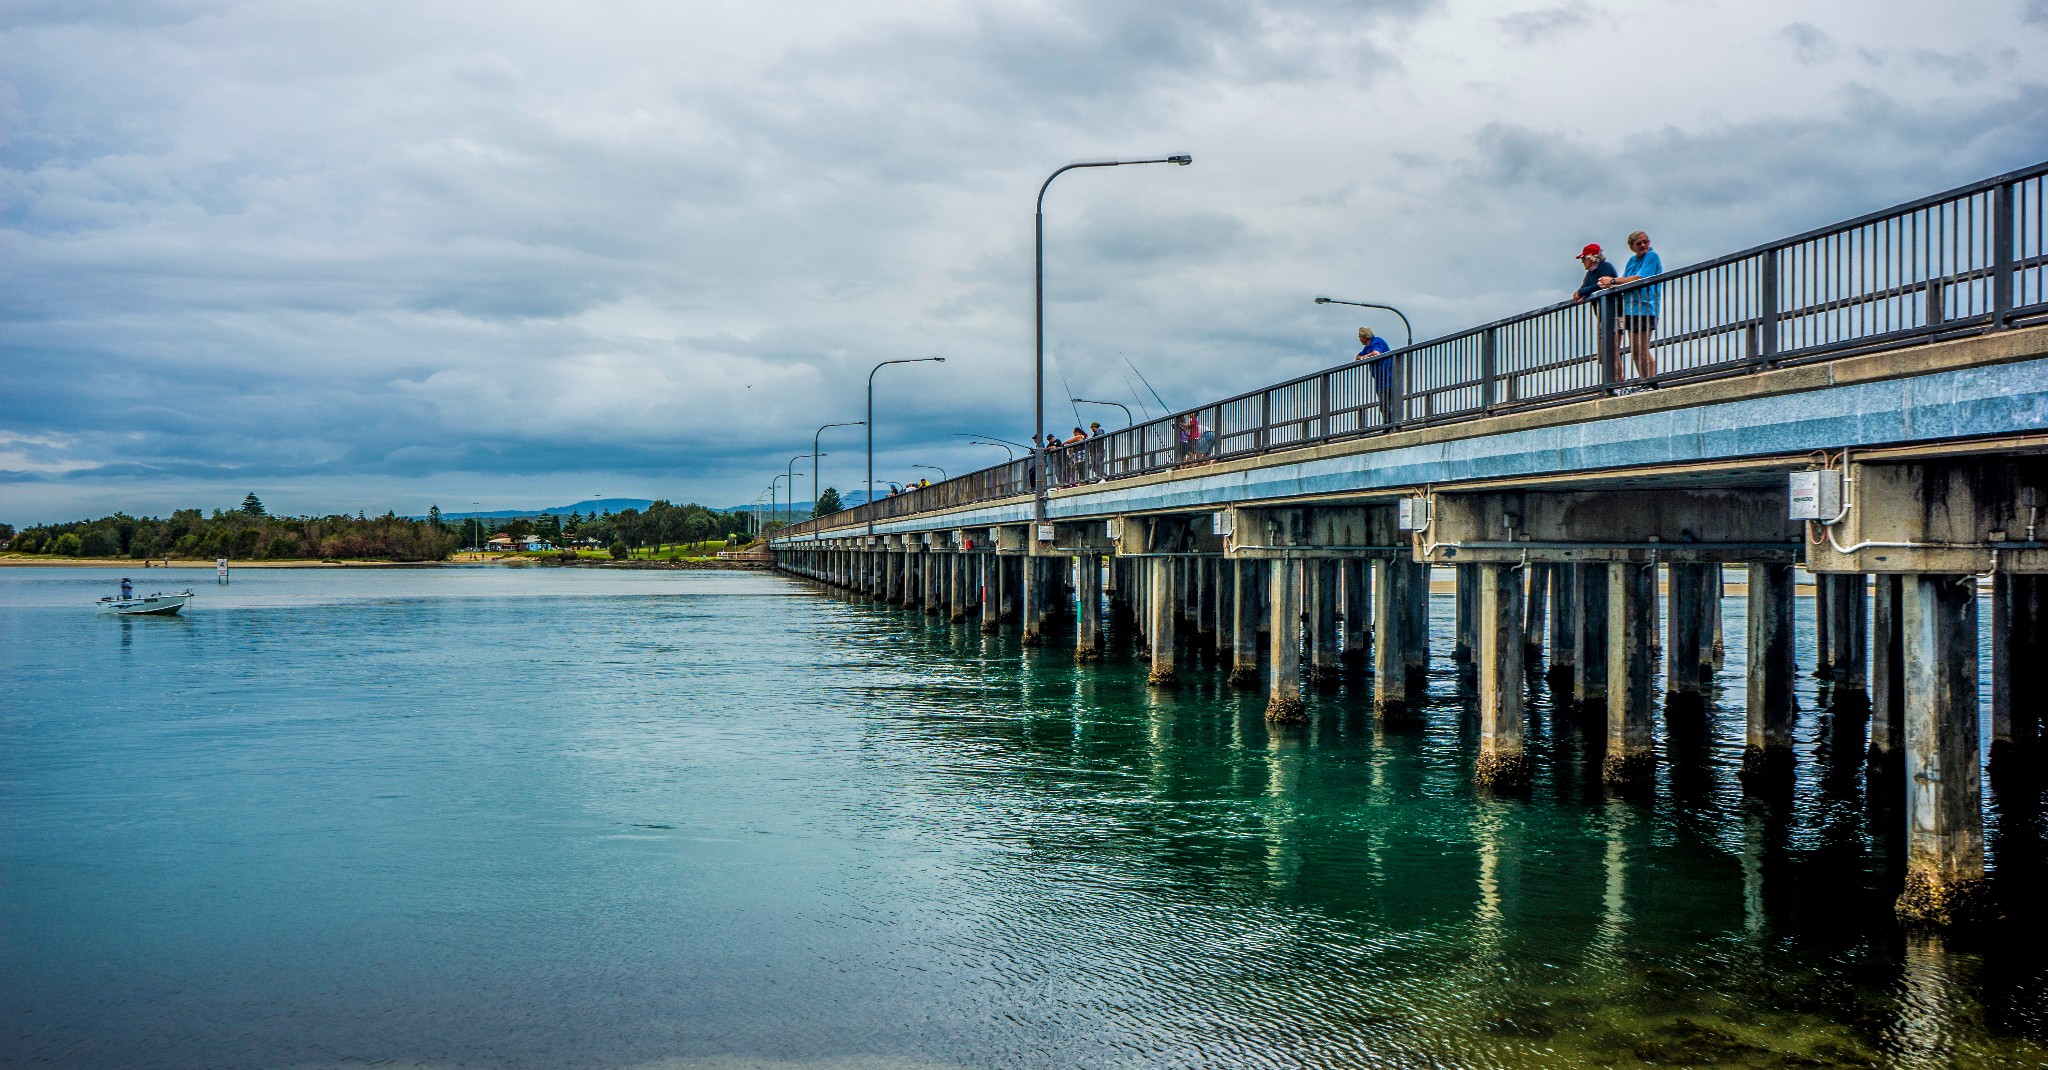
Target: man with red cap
1597, 268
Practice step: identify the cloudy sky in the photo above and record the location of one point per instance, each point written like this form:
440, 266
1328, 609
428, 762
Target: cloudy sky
386, 255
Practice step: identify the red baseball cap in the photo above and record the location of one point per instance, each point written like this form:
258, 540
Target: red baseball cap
1590, 250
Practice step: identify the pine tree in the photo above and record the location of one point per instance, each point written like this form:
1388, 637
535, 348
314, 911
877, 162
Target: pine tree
828, 502
252, 505
434, 516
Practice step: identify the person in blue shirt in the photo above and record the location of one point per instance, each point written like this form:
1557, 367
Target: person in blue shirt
1374, 348
1639, 306
1597, 267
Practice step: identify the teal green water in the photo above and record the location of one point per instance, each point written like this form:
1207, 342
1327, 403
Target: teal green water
509, 818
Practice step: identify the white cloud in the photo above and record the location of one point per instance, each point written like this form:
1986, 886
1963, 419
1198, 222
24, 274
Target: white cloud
385, 249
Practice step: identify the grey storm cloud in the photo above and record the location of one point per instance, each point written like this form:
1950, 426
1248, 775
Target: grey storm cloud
386, 255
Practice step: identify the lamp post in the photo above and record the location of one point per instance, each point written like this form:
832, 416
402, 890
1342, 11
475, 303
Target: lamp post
935, 468
1127, 409
789, 514
1367, 304
478, 544
815, 455
1038, 380
871, 425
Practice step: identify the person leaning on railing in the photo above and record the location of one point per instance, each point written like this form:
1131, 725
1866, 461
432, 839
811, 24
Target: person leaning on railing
1639, 307
1374, 348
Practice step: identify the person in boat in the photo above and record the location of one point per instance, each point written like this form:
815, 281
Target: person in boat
127, 589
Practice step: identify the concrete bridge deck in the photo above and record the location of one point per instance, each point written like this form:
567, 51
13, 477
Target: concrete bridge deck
1881, 419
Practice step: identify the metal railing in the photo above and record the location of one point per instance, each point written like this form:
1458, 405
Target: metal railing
1969, 260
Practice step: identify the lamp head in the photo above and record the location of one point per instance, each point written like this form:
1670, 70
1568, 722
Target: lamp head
939, 360
1181, 160
1322, 300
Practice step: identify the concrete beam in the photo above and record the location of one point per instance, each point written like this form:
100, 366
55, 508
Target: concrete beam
1673, 524
1949, 515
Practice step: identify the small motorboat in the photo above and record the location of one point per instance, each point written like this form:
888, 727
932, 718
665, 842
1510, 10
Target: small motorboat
160, 604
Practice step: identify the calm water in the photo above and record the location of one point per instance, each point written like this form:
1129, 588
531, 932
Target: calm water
485, 817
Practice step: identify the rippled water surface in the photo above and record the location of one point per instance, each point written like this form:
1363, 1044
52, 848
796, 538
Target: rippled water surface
484, 817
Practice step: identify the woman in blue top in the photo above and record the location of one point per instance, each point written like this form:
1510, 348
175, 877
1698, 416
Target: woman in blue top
1639, 306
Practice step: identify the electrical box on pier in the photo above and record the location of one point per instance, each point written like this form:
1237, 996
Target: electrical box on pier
1816, 495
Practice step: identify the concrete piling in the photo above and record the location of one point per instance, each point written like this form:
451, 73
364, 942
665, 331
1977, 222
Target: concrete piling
1499, 620
1886, 753
1245, 604
1162, 628
1088, 625
1319, 598
1688, 644
1536, 610
1562, 668
1589, 651
1848, 642
1944, 793
1031, 593
1631, 622
1395, 689
1772, 668
991, 568
1283, 697
1355, 576
2019, 679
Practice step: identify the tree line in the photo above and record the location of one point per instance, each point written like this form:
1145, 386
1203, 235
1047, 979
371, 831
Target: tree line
251, 533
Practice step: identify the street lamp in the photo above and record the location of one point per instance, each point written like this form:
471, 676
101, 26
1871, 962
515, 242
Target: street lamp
1127, 409
1004, 446
789, 516
935, 468
871, 424
1367, 304
815, 455
1038, 383
992, 438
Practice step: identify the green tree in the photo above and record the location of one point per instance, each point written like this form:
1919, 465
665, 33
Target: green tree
252, 505
434, 516
828, 502
618, 551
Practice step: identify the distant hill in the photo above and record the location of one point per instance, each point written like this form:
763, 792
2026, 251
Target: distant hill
583, 508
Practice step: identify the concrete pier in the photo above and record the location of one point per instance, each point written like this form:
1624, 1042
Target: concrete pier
1163, 625
1499, 620
2019, 676
1536, 611
1088, 618
1886, 753
1283, 696
1631, 624
1246, 602
1944, 792
1562, 670
1848, 605
1031, 597
1392, 590
991, 568
1688, 646
1355, 579
1319, 600
1590, 649
1466, 617
1767, 749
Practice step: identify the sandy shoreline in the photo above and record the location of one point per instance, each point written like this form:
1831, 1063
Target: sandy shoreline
207, 565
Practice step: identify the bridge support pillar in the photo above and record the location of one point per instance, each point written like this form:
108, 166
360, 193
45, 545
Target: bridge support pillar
1319, 599
991, 592
1225, 574
1631, 626
1088, 589
1688, 639
1848, 604
1564, 630
1887, 683
1499, 621
1772, 668
1944, 794
961, 592
1283, 696
1590, 648
931, 582
1535, 611
1165, 604
1032, 591
1245, 603
1202, 580
1396, 691
1356, 574
1416, 656
2019, 684
1466, 619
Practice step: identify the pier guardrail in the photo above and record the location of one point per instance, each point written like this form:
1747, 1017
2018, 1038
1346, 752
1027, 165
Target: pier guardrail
1968, 260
